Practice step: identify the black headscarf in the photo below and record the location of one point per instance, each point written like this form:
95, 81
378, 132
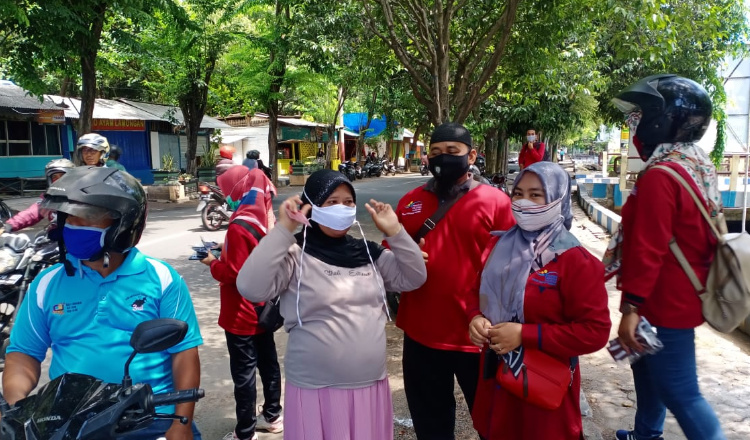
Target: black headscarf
345, 251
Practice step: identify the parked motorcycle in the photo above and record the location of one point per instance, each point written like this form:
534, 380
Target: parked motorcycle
213, 206
358, 171
373, 169
21, 260
347, 169
78, 406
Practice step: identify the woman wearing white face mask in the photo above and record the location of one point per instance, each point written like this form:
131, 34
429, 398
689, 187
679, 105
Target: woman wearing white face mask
332, 289
540, 290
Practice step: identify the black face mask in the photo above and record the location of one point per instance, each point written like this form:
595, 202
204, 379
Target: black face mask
448, 168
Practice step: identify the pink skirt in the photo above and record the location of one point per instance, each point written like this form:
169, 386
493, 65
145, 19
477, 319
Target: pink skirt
338, 414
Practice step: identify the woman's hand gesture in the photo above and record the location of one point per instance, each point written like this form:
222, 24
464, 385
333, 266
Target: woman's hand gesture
289, 213
384, 217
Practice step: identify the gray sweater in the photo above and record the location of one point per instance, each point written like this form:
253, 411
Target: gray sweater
341, 342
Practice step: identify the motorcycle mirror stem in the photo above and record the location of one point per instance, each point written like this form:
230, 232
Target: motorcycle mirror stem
153, 336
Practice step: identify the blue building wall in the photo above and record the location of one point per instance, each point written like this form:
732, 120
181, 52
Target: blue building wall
136, 151
33, 166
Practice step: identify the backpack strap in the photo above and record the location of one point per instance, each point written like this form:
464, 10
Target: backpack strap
698, 202
678, 254
433, 220
254, 232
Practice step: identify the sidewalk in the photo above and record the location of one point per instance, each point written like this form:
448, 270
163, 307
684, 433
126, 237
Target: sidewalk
723, 368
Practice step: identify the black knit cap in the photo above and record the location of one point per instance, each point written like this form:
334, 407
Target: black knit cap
321, 184
451, 131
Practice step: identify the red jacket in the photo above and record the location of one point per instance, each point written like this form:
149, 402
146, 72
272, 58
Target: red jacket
658, 209
236, 315
531, 156
566, 315
435, 314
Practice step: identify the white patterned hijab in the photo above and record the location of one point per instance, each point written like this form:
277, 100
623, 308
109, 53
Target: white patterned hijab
698, 166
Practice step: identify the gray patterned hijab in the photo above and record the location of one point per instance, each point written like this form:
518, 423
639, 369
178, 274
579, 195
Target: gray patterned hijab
518, 253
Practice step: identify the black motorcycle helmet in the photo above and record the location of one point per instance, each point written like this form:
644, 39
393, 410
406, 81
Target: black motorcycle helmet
115, 152
253, 154
95, 191
674, 109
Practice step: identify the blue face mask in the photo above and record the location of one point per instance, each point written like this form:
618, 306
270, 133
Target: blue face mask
83, 242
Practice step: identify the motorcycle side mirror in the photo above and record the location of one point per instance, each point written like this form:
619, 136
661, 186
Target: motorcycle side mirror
153, 336
158, 335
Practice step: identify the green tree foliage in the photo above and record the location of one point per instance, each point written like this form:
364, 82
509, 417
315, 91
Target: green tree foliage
62, 39
181, 58
451, 49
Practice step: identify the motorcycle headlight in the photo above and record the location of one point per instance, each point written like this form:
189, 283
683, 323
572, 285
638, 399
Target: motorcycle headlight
8, 260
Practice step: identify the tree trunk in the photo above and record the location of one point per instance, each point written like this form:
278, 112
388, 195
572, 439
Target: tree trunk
277, 70
491, 150
502, 158
88, 53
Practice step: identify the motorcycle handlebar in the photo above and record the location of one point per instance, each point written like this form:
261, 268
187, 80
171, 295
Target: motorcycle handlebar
175, 397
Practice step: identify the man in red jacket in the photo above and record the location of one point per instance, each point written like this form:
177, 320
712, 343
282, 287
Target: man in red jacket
249, 345
434, 318
667, 114
532, 151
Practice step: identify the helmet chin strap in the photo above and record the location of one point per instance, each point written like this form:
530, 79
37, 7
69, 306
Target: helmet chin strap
106, 260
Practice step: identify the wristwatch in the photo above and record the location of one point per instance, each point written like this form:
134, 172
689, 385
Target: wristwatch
626, 308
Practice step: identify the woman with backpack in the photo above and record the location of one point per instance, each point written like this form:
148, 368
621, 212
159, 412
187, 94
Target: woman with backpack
250, 346
667, 115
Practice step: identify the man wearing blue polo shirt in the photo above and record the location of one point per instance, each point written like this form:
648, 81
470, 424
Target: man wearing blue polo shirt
86, 308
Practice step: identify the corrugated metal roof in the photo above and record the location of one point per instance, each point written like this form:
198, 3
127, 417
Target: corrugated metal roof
173, 114
13, 96
300, 122
108, 109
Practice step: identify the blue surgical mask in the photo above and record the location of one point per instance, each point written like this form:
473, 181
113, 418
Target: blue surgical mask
84, 242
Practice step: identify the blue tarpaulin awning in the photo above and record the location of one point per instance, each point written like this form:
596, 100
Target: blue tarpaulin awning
357, 122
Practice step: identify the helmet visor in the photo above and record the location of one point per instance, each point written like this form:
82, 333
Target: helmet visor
625, 106
87, 212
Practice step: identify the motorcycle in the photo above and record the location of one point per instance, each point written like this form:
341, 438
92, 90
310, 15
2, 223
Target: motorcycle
358, 171
388, 167
21, 260
373, 168
424, 169
78, 406
481, 164
213, 206
5, 212
348, 170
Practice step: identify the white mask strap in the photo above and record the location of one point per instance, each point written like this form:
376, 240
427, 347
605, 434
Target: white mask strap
299, 273
378, 278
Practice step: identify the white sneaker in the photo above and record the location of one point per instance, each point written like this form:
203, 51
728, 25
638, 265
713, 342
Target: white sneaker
273, 427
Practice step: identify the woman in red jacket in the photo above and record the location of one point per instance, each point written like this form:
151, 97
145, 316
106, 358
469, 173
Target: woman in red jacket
249, 346
539, 290
667, 114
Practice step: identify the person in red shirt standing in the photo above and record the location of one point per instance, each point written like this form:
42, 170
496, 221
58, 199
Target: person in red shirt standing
667, 114
249, 345
532, 151
434, 318
539, 290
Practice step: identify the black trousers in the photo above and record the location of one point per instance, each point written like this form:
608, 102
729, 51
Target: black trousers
246, 354
428, 383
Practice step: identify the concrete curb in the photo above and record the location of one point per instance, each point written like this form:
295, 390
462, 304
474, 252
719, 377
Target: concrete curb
599, 214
